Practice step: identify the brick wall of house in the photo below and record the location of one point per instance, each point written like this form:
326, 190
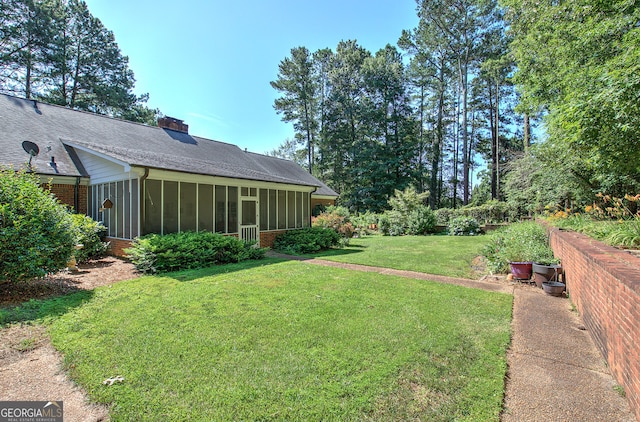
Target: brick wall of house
325, 202
604, 284
267, 238
117, 246
66, 194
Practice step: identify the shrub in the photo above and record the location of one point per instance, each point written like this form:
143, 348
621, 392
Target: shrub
384, 223
421, 221
308, 240
337, 219
185, 250
88, 233
366, 222
36, 231
490, 212
519, 242
392, 223
463, 226
444, 215
408, 200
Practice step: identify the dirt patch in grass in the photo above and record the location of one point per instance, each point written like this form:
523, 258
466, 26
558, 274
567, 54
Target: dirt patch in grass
93, 274
30, 368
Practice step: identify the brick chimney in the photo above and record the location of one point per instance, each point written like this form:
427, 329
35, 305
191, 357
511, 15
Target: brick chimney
172, 123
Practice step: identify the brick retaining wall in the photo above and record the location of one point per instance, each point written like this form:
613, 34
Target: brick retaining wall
604, 284
117, 246
267, 238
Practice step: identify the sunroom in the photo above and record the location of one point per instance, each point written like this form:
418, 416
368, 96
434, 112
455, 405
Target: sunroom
173, 202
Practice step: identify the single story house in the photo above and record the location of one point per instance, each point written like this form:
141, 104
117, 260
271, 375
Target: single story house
139, 179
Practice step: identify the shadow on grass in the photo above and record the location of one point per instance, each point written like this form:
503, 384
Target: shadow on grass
196, 273
274, 257
338, 252
43, 309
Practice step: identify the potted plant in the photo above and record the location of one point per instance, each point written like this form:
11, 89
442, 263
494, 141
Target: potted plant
516, 247
545, 266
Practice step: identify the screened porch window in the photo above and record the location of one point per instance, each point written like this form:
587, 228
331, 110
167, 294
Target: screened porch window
172, 207
121, 220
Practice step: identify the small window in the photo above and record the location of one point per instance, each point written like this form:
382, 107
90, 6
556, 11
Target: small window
264, 209
188, 206
170, 207
134, 208
232, 210
291, 209
282, 209
205, 208
153, 206
127, 210
119, 206
221, 209
298, 209
273, 206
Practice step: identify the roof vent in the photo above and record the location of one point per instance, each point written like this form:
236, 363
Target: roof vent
172, 123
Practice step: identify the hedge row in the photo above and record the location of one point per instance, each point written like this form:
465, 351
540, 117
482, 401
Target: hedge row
186, 250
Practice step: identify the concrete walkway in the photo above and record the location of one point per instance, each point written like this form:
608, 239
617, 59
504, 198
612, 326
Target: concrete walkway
555, 370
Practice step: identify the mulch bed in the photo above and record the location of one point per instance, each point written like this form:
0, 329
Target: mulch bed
95, 273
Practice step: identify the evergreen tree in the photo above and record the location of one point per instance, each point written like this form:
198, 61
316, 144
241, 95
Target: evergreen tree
56, 51
299, 101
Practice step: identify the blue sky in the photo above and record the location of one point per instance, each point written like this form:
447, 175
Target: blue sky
210, 62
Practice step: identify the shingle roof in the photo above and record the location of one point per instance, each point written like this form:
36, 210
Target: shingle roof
55, 129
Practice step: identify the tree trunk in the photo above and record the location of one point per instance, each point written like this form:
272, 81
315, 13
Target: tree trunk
527, 132
434, 187
309, 137
494, 161
497, 140
465, 137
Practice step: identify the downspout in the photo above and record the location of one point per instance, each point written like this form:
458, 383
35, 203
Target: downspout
76, 195
141, 194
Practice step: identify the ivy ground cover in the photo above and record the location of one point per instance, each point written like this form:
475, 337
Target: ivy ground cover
289, 341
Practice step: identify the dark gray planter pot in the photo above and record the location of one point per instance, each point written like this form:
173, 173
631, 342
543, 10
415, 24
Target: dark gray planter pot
553, 288
542, 273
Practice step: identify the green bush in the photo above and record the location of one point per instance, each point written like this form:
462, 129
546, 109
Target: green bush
463, 226
36, 231
519, 242
337, 219
444, 215
89, 234
490, 212
185, 250
392, 223
308, 240
366, 222
421, 221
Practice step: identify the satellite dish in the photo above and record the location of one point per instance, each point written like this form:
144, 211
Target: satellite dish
30, 148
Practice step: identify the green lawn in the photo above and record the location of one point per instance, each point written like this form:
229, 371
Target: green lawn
273, 340
442, 255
